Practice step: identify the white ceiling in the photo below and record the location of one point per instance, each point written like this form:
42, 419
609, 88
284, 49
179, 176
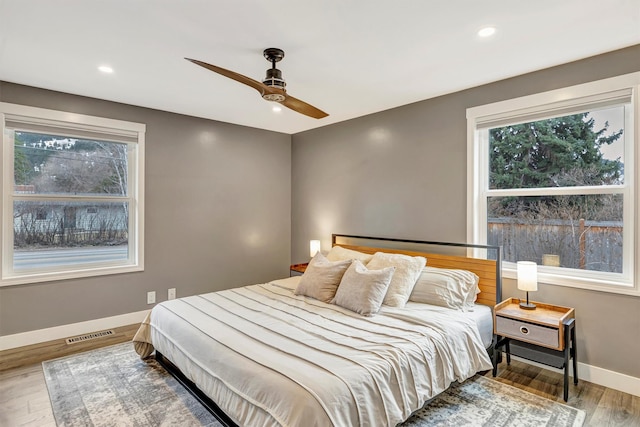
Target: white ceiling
346, 57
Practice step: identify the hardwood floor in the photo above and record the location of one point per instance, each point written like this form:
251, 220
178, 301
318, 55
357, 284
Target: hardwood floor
24, 400
604, 407
36, 353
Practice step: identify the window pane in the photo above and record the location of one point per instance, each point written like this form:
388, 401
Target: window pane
583, 149
581, 232
53, 164
51, 234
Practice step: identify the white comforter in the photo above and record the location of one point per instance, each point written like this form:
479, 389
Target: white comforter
268, 357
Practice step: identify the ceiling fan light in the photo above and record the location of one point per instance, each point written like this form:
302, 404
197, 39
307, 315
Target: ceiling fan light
487, 31
275, 97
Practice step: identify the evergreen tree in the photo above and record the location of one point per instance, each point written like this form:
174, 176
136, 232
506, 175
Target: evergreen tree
22, 168
562, 151
556, 152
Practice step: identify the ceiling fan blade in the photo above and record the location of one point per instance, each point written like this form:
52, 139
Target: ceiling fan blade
303, 108
259, 86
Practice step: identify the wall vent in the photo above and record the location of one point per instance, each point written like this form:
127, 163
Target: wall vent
91, 336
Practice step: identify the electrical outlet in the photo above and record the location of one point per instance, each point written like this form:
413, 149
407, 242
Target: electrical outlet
151, 297
171, 293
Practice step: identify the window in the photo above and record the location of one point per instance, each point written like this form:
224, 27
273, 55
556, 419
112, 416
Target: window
72, 195
552, 180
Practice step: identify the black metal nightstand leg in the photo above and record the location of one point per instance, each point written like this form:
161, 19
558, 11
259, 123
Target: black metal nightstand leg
494, 356
575, 353
566, 373
569, 350
497, 352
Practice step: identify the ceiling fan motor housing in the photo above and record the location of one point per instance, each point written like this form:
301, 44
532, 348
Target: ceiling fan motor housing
274, 76
274, 79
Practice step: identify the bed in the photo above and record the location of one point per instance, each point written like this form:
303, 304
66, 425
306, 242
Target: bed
269, 354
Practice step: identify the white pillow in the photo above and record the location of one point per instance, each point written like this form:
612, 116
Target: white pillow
321, 278
338, 253
362, 290
408, 269
446, 287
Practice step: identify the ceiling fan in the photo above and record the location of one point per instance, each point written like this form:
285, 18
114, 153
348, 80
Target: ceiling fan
272, 88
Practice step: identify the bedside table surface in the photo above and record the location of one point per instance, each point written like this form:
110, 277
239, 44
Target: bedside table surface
544, 314
300, 268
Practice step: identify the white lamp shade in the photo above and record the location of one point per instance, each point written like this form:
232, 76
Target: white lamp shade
314, 247
527, 276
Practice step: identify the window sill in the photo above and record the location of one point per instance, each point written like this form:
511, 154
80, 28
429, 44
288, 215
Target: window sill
589, 284
28, 278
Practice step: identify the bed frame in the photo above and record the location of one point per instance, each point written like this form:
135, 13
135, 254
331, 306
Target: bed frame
475, 258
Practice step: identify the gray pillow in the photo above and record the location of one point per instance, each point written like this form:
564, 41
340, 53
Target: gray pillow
446, 287
408, 269
362, 290
338, 253
321, 278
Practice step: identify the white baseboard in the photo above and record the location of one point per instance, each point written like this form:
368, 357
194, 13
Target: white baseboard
65, 331
594, 374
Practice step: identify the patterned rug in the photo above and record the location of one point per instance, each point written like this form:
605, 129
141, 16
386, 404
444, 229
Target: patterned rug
481, 401
113, 387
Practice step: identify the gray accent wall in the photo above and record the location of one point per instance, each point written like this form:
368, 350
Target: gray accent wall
402, 173
217, 215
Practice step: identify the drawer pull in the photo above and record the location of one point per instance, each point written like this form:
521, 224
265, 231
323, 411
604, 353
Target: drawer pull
524, 330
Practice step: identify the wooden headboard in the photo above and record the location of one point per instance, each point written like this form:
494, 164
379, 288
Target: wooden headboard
488, 270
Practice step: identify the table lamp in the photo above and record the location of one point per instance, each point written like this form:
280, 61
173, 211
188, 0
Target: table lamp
314, 247
527, 281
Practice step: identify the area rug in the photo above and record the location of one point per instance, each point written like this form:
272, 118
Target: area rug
113, 387
481, 401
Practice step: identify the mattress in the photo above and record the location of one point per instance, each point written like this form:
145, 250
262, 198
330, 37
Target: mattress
481, 315
269, 357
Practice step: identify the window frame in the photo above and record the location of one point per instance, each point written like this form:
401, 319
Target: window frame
82, 126
579, 98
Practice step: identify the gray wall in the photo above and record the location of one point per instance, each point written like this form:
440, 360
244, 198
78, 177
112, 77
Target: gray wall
402, 173
217, 215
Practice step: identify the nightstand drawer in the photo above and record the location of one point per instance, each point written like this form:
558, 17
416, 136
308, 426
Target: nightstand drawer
528, 332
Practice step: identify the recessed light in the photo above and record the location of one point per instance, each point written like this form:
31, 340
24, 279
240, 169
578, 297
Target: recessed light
487, 31
276, 108
105, 69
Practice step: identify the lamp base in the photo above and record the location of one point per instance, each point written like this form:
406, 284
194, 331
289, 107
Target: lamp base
527, 306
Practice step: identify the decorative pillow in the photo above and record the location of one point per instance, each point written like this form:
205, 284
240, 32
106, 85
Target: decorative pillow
408, 269
446, 287
362, 290
338, 253
321, 278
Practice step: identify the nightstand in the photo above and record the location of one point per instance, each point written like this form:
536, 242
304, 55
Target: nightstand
545, 335
297, 269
